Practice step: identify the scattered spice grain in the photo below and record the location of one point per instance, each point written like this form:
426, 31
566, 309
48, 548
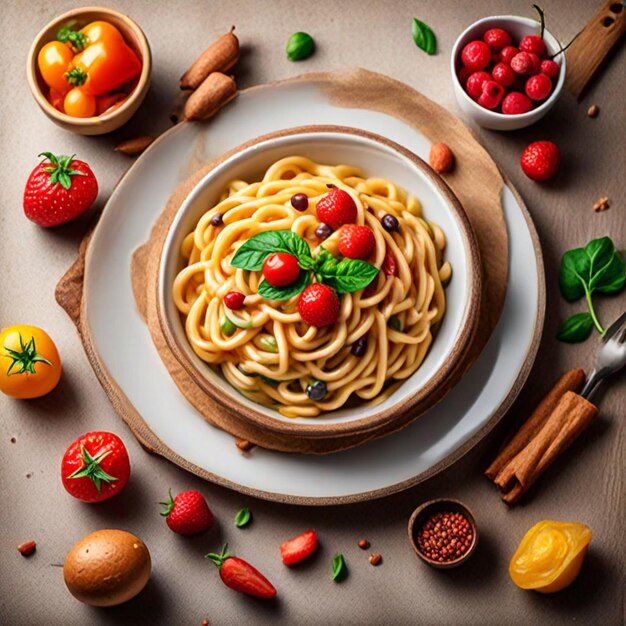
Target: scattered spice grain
27, 548
364, 544
375, 559
602, 204
593, 110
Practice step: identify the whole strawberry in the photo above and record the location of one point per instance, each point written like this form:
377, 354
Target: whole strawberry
356, 242
58, 190
319, 305
336, 208
540, 160
187, 513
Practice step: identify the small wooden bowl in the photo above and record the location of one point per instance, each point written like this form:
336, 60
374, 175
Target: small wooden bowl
134, 37
423, 512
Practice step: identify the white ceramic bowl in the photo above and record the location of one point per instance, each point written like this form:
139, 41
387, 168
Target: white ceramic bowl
518, 27
377, 157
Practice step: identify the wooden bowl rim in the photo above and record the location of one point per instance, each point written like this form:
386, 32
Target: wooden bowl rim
135, 97
441, 503
418, 403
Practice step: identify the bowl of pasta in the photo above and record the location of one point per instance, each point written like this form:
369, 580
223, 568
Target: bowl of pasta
320, 282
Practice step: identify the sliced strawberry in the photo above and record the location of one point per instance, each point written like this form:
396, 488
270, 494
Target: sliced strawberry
356, 242
298, 548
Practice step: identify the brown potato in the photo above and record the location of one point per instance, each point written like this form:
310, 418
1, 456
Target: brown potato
107, 567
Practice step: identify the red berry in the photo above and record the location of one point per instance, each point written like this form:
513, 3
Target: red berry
492, 95
58, 190
281, 269
187, 513
319, 305
390, 264
497, 38
538, 87
534, 44
535, 62
336, 208
476, 55
356, 242
515, 103
522, 63
474, 84
234, 300
503, 74
540, 160
507, 53
464, 74
298, 548
550, 68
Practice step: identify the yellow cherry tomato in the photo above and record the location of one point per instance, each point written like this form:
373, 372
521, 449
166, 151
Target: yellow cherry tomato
53, 61
550, 556
78, 104
101, 31
30, 365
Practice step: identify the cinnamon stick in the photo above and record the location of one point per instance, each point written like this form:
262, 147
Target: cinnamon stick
216, 90
570, 417
570, 381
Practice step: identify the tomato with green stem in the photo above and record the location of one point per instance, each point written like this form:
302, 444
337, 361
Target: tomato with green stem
30, 366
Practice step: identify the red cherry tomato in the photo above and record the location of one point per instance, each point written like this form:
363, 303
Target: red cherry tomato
281, 269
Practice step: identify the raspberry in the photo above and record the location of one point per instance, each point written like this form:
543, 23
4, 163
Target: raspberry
492, 94
476, 55
474, 84
522, 63
533, 43
319, 305
535, 63
507, 53
538, 87
503, 74
497, 38
336, 208
540, 160
464, 74
550, 68
356, 242
515, 103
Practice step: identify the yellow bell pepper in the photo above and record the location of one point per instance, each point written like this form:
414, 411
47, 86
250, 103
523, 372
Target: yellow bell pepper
550, 556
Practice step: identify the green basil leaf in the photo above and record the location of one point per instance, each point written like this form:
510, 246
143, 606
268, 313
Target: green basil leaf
606, 267
339, 568
424, 37
572, 277
243, 517
395, 323
613, 277
284, 293
300, 46
252, 254
576, 328
348, 275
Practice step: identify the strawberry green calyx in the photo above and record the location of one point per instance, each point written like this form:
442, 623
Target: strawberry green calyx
219, 559
60, 171
76, 77
24, 358
92, 469
169, 505
77, 40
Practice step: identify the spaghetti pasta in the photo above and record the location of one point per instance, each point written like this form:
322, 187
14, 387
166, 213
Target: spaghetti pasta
267, 352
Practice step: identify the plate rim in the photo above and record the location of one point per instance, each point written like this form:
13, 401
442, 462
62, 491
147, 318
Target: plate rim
151, 443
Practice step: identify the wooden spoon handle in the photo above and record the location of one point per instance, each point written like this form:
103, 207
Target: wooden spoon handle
593, 45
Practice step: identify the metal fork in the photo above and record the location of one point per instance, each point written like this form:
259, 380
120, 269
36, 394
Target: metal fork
611, 356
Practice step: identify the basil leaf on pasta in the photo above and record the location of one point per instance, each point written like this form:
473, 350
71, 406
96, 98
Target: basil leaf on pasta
284, 293
252, 254
348, 275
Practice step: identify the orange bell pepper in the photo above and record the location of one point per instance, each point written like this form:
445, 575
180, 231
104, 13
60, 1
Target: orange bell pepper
105, 61
550, 556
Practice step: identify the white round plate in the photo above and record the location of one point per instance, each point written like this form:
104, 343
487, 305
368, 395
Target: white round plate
125, 350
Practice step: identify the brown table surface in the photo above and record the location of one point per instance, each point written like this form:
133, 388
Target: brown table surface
587, 485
